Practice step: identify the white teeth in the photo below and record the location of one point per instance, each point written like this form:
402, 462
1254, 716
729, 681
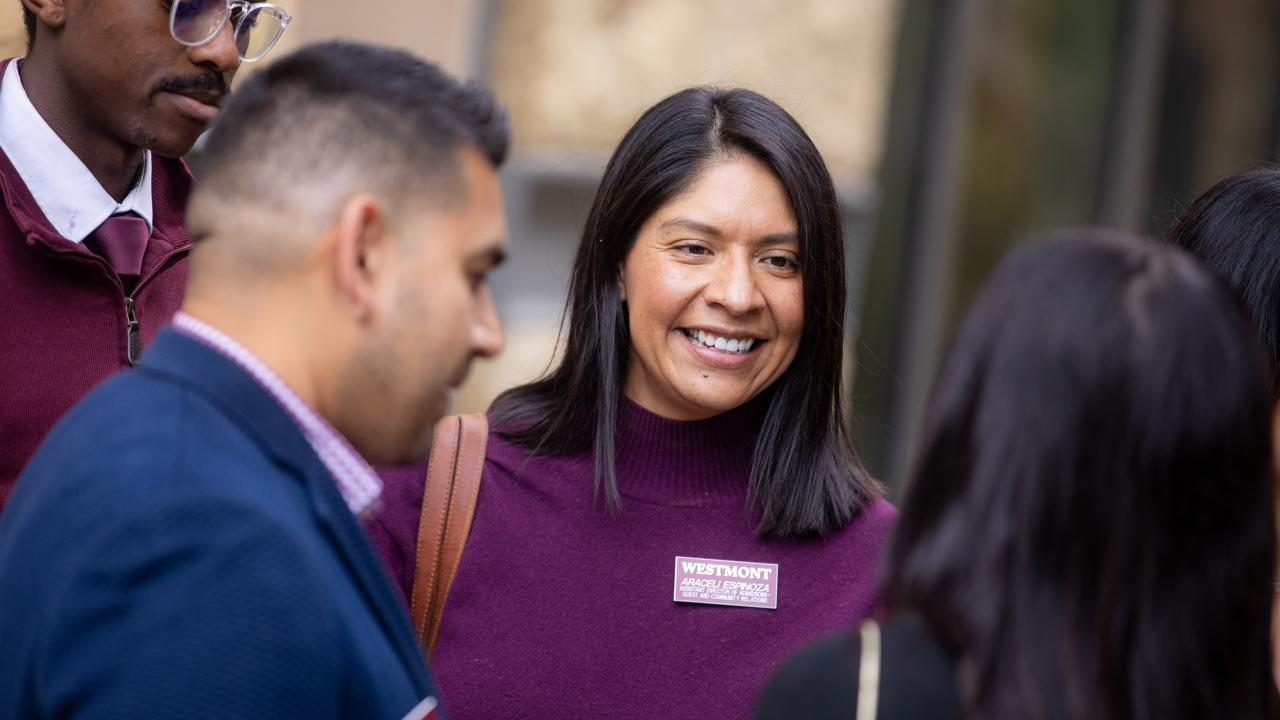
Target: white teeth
723, 344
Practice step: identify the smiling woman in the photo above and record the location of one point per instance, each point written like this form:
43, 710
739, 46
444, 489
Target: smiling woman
714, 293
720, 215
695, 422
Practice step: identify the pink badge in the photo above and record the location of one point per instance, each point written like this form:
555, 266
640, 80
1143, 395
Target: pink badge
726, 582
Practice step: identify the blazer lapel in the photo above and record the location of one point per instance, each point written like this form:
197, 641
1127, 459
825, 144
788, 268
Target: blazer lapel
193, 363
363, 563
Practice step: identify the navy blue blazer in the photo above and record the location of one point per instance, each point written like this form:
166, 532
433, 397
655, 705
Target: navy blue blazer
176, 549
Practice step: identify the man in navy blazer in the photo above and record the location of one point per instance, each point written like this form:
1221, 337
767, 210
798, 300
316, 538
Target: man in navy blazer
187, 542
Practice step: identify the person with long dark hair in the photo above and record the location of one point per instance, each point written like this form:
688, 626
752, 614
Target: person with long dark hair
1234, 230
677, 504
1089, 530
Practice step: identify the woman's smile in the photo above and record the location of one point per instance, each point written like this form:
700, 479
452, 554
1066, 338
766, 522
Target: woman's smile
721, 351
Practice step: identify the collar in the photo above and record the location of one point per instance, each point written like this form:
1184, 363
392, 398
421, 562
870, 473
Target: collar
687, 463
67, 193
357, 481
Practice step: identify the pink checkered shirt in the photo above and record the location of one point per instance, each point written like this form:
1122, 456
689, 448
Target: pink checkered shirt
357, 482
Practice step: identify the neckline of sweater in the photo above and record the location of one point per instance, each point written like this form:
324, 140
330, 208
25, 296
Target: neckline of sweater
687, 463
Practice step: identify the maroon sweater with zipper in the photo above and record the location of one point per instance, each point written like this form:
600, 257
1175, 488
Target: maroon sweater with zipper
66, 321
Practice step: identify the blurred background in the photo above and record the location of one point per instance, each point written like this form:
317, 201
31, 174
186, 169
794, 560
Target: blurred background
953, 128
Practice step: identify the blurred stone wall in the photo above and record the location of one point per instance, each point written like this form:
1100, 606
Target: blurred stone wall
13, 37
444, 31
577, 73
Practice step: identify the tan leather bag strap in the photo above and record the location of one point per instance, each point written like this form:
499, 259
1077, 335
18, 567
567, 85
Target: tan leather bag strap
448, 504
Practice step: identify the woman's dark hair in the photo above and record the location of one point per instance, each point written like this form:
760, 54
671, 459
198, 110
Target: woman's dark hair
1090, 523
1234, 229
805, 477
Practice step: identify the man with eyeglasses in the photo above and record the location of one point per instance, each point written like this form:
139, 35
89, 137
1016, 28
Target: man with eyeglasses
93, 243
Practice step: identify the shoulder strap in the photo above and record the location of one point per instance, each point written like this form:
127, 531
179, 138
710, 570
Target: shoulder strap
448, 504
869, 671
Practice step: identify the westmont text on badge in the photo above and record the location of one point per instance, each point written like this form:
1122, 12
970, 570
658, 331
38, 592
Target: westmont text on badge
726, 570
725, 582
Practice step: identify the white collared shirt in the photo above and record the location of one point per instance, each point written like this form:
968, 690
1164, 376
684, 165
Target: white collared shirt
67, 193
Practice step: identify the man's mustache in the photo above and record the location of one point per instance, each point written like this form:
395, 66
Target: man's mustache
195, 84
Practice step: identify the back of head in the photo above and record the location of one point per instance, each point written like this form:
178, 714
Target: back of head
1090, 525
323, 123
1233, 229
347, 215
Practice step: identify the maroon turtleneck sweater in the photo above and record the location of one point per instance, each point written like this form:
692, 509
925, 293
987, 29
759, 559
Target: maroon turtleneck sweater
561, 609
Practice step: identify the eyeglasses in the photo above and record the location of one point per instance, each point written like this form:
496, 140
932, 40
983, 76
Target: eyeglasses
257, 26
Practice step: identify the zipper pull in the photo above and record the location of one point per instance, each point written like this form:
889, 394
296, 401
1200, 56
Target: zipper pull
133, 334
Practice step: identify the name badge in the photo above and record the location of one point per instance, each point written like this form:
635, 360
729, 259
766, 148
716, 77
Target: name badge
726, 582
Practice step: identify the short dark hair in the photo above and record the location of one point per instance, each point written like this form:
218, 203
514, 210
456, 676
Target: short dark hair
1090, 526
1234, 229
336, 117
29, 20
806, 478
